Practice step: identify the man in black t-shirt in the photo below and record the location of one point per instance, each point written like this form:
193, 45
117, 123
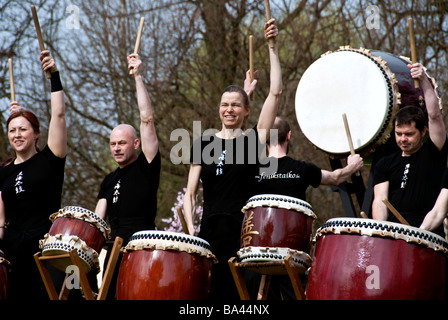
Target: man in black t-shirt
128, 196
410, 178
286, 176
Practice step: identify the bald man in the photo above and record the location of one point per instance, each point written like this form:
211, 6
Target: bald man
128, 195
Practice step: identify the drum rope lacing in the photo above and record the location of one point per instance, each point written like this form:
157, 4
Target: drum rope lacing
331, 225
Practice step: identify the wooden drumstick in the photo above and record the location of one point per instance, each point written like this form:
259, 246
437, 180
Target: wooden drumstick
349, 137
39, 34
395, 212
11, 80
251, 62
413, 51
267, 7
137, 41
363, 214
182, 220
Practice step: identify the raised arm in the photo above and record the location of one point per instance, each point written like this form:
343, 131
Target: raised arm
270, 107
57, 130
148, 135
436, 126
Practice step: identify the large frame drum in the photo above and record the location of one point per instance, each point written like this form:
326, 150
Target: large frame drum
359, 259
275, 226
369, 86
75, 228
163, 265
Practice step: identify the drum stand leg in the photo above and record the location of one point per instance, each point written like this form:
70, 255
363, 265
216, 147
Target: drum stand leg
238, 278
107, 278
286, 267
83, 280
49, 285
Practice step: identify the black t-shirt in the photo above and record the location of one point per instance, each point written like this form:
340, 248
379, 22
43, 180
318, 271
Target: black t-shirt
414, 181
290, 178
131, 192
228, 168
31, 191
444, 184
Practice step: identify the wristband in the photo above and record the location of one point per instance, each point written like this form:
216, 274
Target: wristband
55, 81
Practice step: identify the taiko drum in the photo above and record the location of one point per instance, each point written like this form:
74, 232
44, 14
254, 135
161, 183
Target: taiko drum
272, 220
364, 259
162, 265
75, 228
369, 86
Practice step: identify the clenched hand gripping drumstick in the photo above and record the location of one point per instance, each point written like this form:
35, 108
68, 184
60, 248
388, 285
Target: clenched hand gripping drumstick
349, 137
267, 7
39, 34
395, 212
251, 62
413, 52
11, 80
137, 42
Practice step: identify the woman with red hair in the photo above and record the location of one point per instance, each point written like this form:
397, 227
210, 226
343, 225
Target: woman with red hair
31, 187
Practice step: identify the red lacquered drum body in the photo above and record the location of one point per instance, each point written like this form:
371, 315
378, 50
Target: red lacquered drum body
162, 265
360, 259
4, 270
275, 226
272, 220
75, 228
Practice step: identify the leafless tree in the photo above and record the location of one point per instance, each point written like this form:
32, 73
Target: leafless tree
192, 50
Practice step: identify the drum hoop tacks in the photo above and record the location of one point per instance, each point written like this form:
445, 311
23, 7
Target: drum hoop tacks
279, 201
167, 240
384, 229
85, 215
65, 243
380, 130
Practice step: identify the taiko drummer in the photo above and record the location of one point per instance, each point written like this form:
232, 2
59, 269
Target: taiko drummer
227, 183
410, 178
128, 195
293, 177
31, 186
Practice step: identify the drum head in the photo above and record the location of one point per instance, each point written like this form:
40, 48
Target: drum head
344, 82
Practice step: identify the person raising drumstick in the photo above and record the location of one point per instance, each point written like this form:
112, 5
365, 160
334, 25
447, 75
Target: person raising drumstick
31, 186
128, 195
226, 179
